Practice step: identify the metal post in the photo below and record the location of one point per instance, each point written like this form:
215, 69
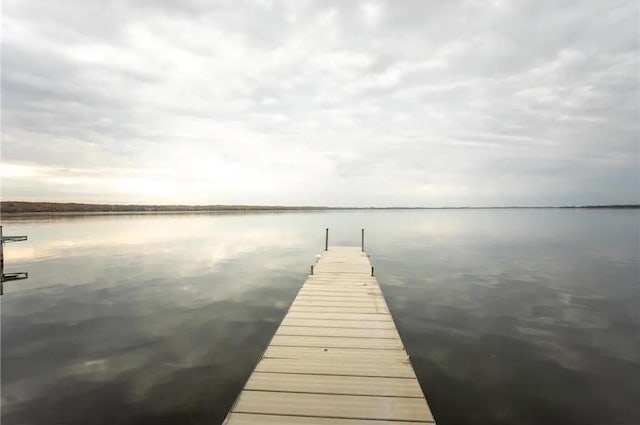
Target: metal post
312, 269
326, 240
362, 240
372, 271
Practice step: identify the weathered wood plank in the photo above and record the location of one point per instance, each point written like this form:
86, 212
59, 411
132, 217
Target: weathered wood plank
325, 309
340, 332
343, 268
342, 289
334, 406
353, 299
339, 278
343, 271
254, 419
334, 293
352, 324
336, 354
327, 341
363, 303
362, 299
355, 367
303, 314
332, 384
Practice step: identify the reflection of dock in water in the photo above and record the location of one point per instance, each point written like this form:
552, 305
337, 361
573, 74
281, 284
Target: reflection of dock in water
336, 358
7, 277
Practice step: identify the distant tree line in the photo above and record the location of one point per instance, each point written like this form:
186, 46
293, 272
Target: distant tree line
17, 207
606, 206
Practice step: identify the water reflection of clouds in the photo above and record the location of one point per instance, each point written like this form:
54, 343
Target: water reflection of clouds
150, 324
142, 335
157, 293
537, 277
205, 240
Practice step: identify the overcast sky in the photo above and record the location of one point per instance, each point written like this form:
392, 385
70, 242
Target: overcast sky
414, 103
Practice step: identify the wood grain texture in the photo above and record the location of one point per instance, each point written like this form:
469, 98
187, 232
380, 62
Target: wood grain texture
258, 419
346, 367
336, 342
336, 354
339, 332
303, 314
334, 406
332, 384
327, 324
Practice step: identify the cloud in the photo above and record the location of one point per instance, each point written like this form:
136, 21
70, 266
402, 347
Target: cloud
321, 102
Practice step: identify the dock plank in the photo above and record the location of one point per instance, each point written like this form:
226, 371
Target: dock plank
332, 295
336, 342
336, 354
352, 324
344, 367
334, 406
253, 419
336, 331
362, 303
340, 290
302, 314
338, 309
337, 294
332, 384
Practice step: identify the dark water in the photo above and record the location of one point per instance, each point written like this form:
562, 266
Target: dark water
510, 316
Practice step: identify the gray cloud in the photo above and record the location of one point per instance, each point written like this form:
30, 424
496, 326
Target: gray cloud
321, 102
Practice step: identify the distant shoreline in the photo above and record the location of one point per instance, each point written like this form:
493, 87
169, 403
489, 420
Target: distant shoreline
20, 207
60, 208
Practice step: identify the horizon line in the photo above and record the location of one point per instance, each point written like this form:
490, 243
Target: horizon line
41, 206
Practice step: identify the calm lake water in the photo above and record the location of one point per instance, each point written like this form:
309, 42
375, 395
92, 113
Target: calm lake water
510, 316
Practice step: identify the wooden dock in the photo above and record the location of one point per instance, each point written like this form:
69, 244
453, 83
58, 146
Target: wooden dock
336, 358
